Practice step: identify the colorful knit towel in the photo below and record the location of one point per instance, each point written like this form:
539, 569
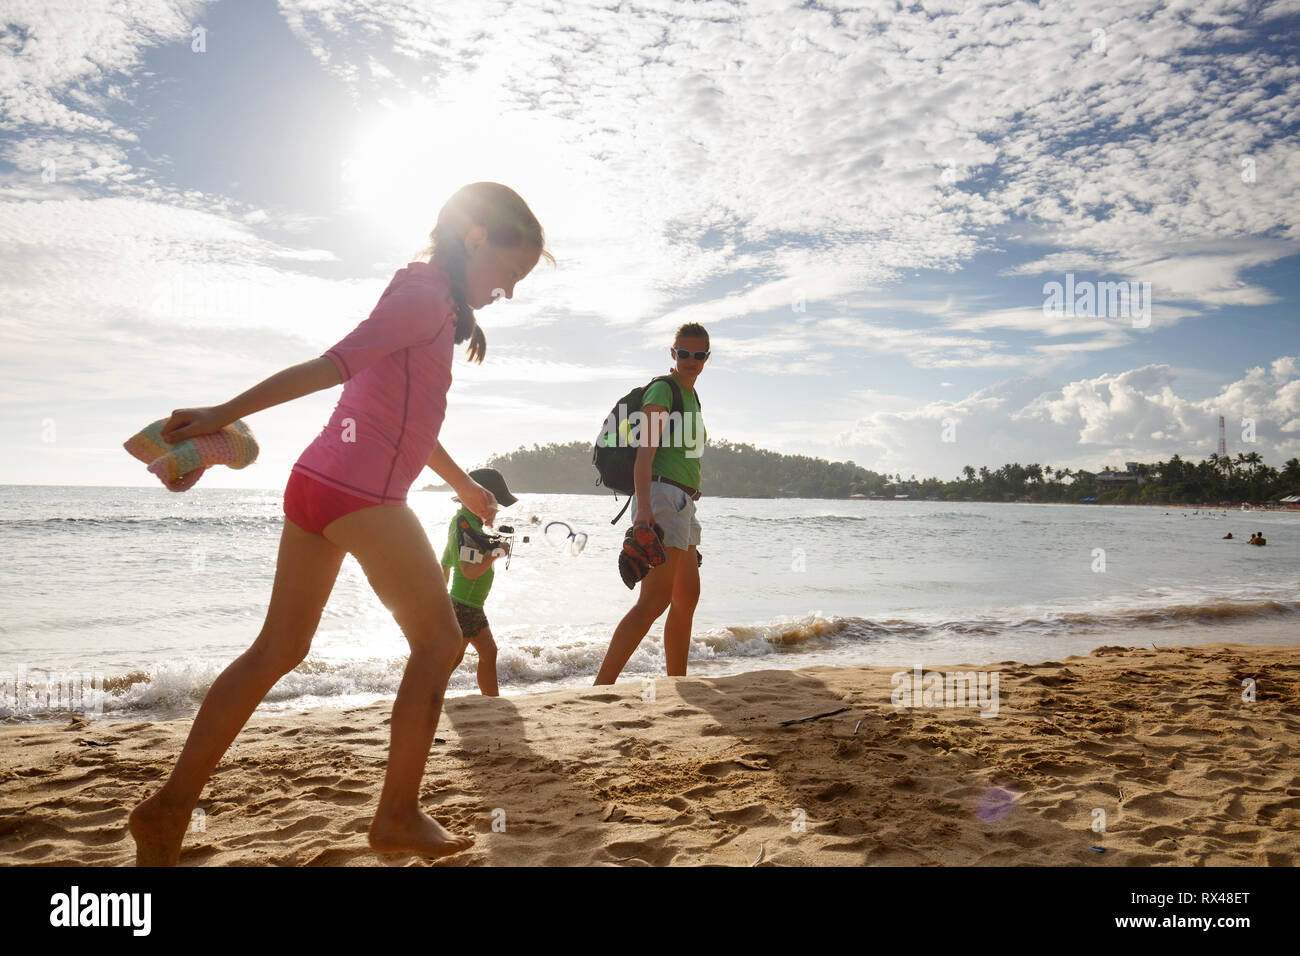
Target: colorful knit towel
179, 466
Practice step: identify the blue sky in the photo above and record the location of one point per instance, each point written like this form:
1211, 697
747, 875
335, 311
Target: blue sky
176, 225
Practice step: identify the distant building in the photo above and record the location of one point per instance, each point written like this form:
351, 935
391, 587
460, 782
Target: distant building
1109, 480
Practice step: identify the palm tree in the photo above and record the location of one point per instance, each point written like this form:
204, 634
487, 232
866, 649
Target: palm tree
1255, 464
1291, 473
1174, 469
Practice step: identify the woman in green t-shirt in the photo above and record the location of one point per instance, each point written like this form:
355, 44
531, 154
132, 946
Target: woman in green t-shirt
667, 484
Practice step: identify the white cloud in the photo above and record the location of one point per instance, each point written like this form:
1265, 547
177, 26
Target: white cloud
703, 162
1124, 416
518, 368
87, 48
777, 123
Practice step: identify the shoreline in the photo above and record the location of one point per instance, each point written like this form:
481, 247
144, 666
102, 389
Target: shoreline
1234, 507
1258, 628
694, 771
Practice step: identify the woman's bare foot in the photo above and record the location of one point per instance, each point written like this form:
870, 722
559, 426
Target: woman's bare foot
414, 833
159, 831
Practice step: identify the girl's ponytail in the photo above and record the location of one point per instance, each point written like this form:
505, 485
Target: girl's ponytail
477, 345
509, 223
446, 250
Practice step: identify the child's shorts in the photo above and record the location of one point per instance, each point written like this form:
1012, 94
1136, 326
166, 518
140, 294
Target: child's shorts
311, 504
470, 618
674, 511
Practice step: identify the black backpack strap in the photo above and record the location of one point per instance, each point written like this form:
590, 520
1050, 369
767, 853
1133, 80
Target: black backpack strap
678, 406
620, 514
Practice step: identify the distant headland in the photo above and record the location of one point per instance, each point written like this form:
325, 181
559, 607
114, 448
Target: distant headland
732, 470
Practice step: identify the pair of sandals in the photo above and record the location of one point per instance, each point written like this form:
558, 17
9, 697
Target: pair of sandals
643, 549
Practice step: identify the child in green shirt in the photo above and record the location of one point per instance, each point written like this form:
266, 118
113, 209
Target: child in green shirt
467, 565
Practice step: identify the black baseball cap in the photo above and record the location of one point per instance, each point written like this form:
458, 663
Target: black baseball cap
491, 479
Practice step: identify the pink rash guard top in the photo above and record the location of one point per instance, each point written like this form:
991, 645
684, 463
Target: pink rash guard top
396, 369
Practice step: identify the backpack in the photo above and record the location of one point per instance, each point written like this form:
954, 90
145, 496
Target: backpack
615, 460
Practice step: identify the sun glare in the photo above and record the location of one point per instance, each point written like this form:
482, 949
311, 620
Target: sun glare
406, 160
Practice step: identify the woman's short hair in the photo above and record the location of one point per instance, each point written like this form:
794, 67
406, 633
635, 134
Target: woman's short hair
692, 330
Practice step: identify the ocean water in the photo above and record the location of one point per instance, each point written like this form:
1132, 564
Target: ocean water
151, 593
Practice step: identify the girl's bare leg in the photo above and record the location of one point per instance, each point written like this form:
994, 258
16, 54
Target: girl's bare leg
677, 629
656, 594
390, 544
304, 576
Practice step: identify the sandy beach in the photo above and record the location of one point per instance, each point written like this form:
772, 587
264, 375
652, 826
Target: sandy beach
1156, 745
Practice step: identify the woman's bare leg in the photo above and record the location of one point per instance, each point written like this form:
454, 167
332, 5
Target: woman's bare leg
305, 570
677, 629
390, 544
656, 593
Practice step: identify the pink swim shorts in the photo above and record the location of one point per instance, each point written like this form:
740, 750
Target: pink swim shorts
312, 505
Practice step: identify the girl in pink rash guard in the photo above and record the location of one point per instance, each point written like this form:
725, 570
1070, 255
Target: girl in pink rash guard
347, 495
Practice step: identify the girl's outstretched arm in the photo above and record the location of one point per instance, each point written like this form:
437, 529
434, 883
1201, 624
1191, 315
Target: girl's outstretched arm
284, 386
472, 495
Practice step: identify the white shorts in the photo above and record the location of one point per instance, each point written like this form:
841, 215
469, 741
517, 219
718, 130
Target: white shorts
674, 511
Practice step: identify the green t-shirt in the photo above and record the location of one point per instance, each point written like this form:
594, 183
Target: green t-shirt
473, 592
679, 453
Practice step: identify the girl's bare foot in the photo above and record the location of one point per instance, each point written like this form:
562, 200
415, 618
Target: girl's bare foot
414, 833
159, 831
